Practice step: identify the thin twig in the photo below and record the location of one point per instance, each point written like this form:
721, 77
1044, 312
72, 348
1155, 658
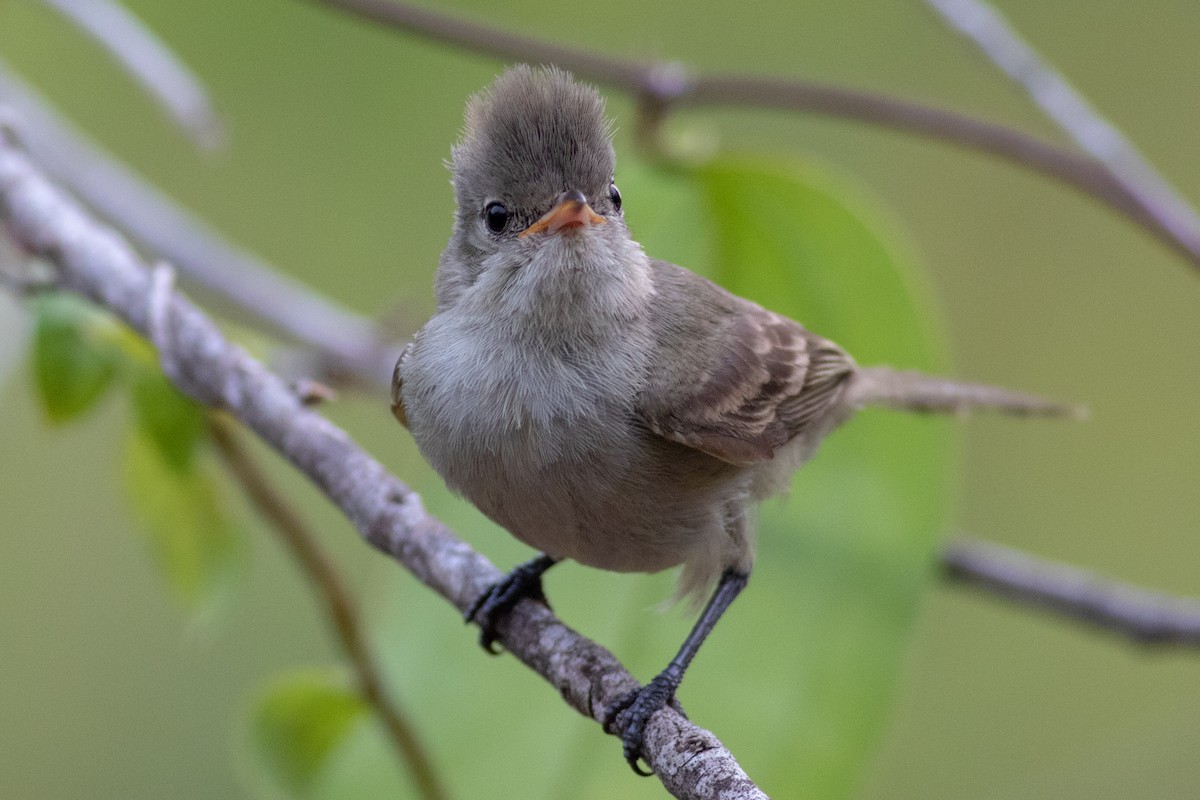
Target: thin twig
339, 603
1144, 616
987, 28
98, 263
662, 85
150, 63
347, 340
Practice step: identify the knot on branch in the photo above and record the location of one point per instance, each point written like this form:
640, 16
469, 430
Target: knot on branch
163, 329
657, 89
665, 82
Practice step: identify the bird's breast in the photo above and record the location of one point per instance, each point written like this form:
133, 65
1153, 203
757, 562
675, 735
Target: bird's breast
491, 400
548, 445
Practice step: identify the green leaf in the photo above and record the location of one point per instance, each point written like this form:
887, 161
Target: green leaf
74, 355
300, 723
173, 422
668, 214
848, 553
185, 519
798, 240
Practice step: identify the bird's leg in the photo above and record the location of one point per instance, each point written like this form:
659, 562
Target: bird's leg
630, 713
525, 581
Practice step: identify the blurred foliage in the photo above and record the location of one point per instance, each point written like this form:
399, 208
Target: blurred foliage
185, 517
334, 172
78, 351
301, 720
74, 357
172, 422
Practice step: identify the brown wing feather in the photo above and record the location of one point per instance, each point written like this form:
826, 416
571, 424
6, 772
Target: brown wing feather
771, 379
398, 383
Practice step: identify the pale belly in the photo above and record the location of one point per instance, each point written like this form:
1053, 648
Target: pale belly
595, 503
593, 488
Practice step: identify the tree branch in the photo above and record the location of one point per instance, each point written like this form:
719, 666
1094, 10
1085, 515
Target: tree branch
660, 86
98, 263
339, 603
150, 63
349, 342
1061, 102
1145, 617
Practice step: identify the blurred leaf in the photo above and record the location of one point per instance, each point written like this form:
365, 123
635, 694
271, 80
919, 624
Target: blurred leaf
185, 518
849, 554
667, 213
173, 422
74, 355
800, 241
300, 723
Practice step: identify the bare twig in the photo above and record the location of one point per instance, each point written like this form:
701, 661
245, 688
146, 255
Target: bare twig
339, 603
347, 340
159, 71
660, 86
987, 28
98, 263
1143, 616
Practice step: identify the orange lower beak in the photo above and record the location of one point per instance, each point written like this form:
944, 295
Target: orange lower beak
572, 210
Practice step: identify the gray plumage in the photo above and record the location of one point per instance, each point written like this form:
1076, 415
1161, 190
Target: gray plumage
600, 405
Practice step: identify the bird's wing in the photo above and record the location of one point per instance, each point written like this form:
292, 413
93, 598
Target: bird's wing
398, 382
767, 380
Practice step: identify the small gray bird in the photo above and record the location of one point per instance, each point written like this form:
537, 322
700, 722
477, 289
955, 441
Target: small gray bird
604, 406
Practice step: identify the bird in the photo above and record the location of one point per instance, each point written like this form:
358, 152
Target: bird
603, 406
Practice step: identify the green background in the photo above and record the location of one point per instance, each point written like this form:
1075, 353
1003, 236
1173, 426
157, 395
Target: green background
335, 174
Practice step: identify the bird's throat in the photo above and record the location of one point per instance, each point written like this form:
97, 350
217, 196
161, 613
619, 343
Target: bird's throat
578, 285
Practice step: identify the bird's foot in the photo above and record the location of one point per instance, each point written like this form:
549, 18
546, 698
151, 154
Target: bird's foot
631, 712
525, 581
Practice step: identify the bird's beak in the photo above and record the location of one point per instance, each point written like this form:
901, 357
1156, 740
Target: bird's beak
571, 210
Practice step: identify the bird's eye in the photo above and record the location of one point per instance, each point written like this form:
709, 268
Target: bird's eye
614, 194
496, 216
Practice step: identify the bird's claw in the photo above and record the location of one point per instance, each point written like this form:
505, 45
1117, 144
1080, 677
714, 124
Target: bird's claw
499, 599
631, 712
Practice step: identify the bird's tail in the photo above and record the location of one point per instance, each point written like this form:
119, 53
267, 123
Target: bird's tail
914, 391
